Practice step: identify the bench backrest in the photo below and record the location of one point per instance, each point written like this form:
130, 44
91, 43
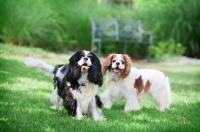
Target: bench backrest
130, 30
115, 29
105, 28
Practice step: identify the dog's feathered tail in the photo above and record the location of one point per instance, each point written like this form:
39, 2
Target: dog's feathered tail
39, 65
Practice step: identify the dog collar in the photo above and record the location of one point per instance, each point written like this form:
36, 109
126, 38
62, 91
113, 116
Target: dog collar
80, 87
85, 89
112, 80
82, 84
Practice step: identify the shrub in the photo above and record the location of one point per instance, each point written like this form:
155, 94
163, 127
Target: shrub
65, 24
165, 49
177, 19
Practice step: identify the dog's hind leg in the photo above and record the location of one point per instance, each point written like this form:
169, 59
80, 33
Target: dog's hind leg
132, 103
98, 107
163, 98
95, 109
56, 100
79, 114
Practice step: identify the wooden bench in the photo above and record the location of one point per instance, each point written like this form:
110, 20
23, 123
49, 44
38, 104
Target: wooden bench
120, 31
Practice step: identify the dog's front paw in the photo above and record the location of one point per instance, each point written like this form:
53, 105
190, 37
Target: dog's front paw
54, 107
79, 117
132, 108
100, 118
161, 109
60, 108
108, 105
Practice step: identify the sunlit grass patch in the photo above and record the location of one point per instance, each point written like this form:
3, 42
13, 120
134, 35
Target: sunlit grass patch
25, 105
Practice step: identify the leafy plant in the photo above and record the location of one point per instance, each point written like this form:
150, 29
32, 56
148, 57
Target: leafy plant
65, 24
166, 49
177, 19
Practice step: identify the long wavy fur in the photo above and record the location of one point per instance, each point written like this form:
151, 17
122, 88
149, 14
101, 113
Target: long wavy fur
95, 75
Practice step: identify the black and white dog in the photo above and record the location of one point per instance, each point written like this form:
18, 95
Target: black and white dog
76, 83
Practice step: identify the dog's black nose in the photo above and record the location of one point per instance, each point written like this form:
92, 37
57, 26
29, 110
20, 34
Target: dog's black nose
117, 63
85, 58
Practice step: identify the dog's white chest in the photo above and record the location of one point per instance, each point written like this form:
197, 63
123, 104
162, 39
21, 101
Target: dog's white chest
114, 86
83, 96
85, 93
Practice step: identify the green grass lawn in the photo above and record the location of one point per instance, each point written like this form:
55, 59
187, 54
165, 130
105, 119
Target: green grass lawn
25, 105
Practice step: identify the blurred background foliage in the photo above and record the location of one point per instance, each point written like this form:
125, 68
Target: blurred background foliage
62, 25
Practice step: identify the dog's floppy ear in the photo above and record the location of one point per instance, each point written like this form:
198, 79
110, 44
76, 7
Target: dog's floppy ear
106, 65
128, 64
95, 75
74, 70
75, 57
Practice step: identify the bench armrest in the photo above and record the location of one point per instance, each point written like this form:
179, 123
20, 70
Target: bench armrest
150, 34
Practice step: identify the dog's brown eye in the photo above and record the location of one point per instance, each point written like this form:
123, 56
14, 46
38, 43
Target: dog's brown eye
113, 61
123, 62
81, 56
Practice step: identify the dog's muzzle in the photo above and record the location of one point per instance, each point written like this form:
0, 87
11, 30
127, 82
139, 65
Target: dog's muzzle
116, 70
85, 67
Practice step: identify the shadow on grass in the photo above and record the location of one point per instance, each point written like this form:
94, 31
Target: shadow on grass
27, 111
22, 107
180, 117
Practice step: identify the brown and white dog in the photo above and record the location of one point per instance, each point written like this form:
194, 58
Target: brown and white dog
126, 82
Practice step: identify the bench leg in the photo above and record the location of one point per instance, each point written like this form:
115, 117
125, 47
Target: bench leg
99, 48
149, 53
125, 48
117, 47
92, 46
140, 52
